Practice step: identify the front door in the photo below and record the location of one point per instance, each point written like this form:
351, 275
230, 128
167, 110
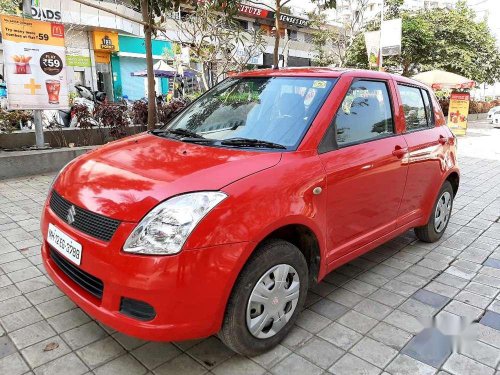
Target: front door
366, 169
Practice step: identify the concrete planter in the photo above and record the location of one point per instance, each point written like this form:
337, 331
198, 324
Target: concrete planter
477, 116
62, 137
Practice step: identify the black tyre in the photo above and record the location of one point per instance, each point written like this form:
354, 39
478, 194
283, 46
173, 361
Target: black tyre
440, 216
266, 298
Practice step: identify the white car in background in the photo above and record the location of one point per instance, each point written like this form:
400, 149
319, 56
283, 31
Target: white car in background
495, 119
492, 112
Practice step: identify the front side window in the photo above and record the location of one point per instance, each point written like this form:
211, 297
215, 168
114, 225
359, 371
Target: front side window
267, 109
365, 114
416, 113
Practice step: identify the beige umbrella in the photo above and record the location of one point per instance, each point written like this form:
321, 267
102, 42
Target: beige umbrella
439, 79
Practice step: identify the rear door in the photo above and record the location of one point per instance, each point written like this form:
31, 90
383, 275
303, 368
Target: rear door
425, 146
364, 159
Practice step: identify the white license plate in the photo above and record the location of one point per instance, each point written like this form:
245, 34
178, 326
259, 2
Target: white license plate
64, 244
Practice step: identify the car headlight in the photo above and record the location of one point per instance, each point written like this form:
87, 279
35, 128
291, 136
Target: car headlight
166, 227
58, 174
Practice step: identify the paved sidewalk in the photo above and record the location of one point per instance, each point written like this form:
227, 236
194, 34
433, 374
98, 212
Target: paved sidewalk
370, 316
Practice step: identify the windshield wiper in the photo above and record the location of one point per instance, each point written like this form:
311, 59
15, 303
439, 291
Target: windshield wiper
247, 142
197, 140
181, 132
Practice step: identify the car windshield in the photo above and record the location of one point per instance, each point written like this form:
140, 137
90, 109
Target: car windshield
254, 112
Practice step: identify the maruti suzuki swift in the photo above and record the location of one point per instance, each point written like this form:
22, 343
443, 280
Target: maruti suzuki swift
219, 221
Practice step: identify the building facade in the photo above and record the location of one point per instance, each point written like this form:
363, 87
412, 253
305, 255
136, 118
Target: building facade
103, 49
132, 58
367, 10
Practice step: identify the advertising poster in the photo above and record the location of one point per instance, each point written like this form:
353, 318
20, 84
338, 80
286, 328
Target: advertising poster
35, 60
458, 112
372, 42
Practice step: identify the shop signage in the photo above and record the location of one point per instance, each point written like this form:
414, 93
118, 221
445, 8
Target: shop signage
256, 60
252, 11
458, 112
78, 60
44, 14
102, 57
105, 41
34, 60
78, 57
291, 20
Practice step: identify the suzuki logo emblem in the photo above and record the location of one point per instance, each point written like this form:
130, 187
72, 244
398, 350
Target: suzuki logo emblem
70, 218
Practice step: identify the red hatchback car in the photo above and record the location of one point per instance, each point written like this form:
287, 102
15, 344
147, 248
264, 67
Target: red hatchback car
220, 221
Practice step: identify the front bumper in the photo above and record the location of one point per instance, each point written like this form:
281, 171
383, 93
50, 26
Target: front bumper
188, 291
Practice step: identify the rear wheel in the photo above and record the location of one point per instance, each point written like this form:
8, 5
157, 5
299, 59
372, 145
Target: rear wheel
266, 299
435, 227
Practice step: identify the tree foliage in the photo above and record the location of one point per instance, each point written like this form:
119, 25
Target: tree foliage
447, 39
330, 44
158, 9
323, 40
218, 42
9, 6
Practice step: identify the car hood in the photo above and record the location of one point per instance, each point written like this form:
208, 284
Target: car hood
127, 178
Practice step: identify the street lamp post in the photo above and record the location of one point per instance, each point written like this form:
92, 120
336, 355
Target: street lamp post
381, 56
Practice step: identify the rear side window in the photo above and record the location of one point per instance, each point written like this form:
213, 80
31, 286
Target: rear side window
365, 114
417, 108
428, 108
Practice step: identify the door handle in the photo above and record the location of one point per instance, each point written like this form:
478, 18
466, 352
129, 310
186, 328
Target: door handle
442, 140
399, 151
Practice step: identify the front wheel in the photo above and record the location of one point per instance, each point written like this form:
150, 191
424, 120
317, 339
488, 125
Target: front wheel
435, 227
266, 299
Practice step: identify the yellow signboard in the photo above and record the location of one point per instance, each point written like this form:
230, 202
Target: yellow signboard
105, 41
458, 112
102, 57
35, 59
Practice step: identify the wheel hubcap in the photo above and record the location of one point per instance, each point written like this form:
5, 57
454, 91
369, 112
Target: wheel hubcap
443, 210
273, 301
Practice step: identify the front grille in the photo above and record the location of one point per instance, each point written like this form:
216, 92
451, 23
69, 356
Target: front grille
86, 281
93, 224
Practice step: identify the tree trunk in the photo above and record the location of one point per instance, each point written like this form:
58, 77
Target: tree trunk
149, 66
276, 56
204, 76
27, 8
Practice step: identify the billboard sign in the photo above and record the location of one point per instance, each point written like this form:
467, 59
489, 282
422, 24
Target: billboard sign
391, 32
35, 63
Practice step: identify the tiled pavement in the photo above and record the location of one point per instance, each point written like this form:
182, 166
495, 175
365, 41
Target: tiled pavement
405, 308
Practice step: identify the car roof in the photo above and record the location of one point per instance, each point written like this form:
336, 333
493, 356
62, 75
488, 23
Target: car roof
327, 72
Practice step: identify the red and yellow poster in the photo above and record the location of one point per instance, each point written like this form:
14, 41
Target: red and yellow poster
34, 59
458, 112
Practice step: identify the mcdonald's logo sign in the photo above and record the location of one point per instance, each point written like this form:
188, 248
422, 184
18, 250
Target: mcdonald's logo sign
57, 30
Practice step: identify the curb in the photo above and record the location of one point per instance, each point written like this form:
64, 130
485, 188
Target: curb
25, 163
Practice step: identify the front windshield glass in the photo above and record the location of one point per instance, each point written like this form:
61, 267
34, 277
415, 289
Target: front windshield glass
269, 109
